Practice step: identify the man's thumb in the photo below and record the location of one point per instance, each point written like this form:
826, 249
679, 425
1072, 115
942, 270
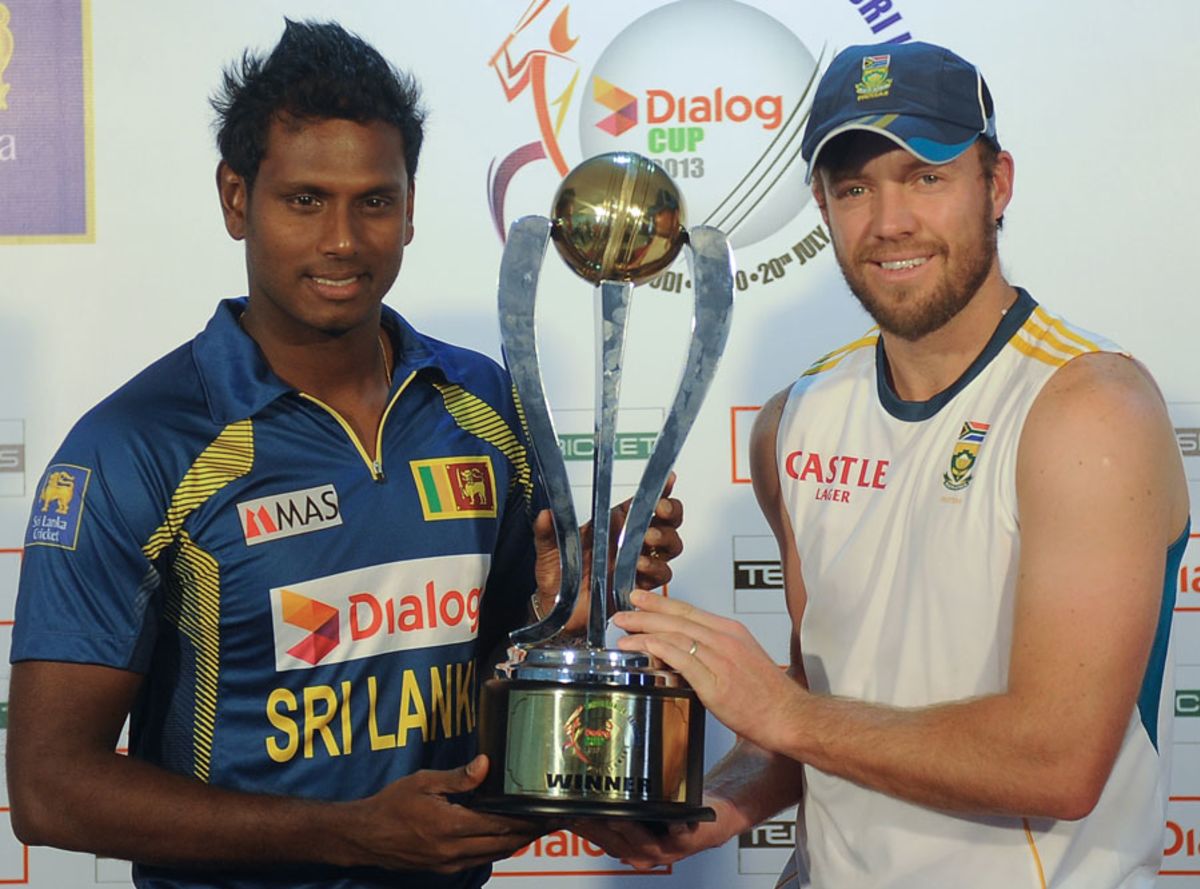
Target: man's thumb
470, 776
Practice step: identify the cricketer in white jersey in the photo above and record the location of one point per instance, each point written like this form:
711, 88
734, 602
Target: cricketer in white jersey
979, 510
922, 617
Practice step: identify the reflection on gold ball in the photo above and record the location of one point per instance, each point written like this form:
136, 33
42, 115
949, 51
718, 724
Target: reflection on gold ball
618, 217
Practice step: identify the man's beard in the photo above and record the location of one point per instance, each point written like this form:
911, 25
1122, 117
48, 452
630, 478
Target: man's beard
908, 316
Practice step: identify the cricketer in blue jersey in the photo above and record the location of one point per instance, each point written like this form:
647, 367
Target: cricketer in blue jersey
285, 548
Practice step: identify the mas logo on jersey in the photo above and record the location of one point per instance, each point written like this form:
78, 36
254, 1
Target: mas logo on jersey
456, 487
59, 506
399, 606
286, 515
962, 458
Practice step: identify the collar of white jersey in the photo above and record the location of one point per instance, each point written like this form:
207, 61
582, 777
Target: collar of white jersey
915, 411
238, 382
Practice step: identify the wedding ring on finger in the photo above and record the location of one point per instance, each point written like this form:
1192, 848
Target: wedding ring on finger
692, 650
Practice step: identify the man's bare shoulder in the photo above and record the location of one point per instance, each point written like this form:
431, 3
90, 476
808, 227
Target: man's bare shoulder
1102, 419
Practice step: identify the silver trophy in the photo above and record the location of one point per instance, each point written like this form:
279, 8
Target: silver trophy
573, 728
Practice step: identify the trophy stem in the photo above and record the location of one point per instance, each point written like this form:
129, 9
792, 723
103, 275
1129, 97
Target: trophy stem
612, 313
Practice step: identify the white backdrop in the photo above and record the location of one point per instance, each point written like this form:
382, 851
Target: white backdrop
1097, 102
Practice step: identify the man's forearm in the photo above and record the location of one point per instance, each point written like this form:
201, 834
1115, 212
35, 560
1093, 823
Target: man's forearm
756, 783
124, 808
981, 755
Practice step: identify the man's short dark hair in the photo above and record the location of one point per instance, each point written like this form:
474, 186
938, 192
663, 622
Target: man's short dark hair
318, 71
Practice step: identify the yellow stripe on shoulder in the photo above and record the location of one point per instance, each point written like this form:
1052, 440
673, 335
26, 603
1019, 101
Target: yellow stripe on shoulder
476, 416
1034, 349
831, 359
1059, 326
1051, 341
228, 457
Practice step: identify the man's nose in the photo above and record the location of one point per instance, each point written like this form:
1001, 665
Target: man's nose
339, 236
892, 214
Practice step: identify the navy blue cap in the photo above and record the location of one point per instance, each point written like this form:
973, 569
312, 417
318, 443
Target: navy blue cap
923, 97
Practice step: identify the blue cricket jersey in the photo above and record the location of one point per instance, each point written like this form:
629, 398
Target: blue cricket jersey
307, 619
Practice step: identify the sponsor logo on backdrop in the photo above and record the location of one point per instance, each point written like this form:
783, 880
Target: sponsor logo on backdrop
1189, 576
563, 853
626, 446
6, 53
637, 431
766, 848
12, 458
1186, 416
717, 93
757, 575
286, 515
46, 159
58, 507
1181, 852
400, 606
1187, 702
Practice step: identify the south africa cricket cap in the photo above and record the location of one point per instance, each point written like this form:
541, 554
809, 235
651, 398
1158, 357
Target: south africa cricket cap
923, 97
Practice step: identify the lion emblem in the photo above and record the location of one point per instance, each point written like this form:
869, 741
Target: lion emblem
474, 486
59, 490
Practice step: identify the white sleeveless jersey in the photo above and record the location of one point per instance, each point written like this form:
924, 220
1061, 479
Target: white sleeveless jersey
905, 516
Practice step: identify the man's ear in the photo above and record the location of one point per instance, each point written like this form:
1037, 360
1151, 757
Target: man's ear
818, 191
234, 193
408, 210
1003, 176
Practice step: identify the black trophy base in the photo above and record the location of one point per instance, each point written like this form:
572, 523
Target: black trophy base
592, 750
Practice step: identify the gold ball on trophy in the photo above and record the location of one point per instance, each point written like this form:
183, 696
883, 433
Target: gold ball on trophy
618, 217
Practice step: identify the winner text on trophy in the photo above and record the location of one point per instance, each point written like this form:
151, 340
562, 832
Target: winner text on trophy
573, 728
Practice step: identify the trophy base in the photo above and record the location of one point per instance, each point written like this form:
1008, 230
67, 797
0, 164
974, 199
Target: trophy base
585, 741
524, 806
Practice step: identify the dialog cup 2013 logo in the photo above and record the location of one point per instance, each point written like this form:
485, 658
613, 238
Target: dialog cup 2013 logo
728, 131
399, 606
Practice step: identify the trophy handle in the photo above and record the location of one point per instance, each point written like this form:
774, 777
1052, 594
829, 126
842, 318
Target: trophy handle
712, 272
520, 266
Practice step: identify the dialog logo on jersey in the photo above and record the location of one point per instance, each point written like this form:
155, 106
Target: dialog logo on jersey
964, 454
456, 487
399, 606
59, 506
319, 619
286, 515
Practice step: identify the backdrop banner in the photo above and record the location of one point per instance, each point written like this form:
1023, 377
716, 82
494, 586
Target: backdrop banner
113, 251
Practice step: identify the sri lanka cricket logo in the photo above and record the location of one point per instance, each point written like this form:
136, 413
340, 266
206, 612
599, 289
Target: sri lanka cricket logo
589, 731
875, 83
966, 451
